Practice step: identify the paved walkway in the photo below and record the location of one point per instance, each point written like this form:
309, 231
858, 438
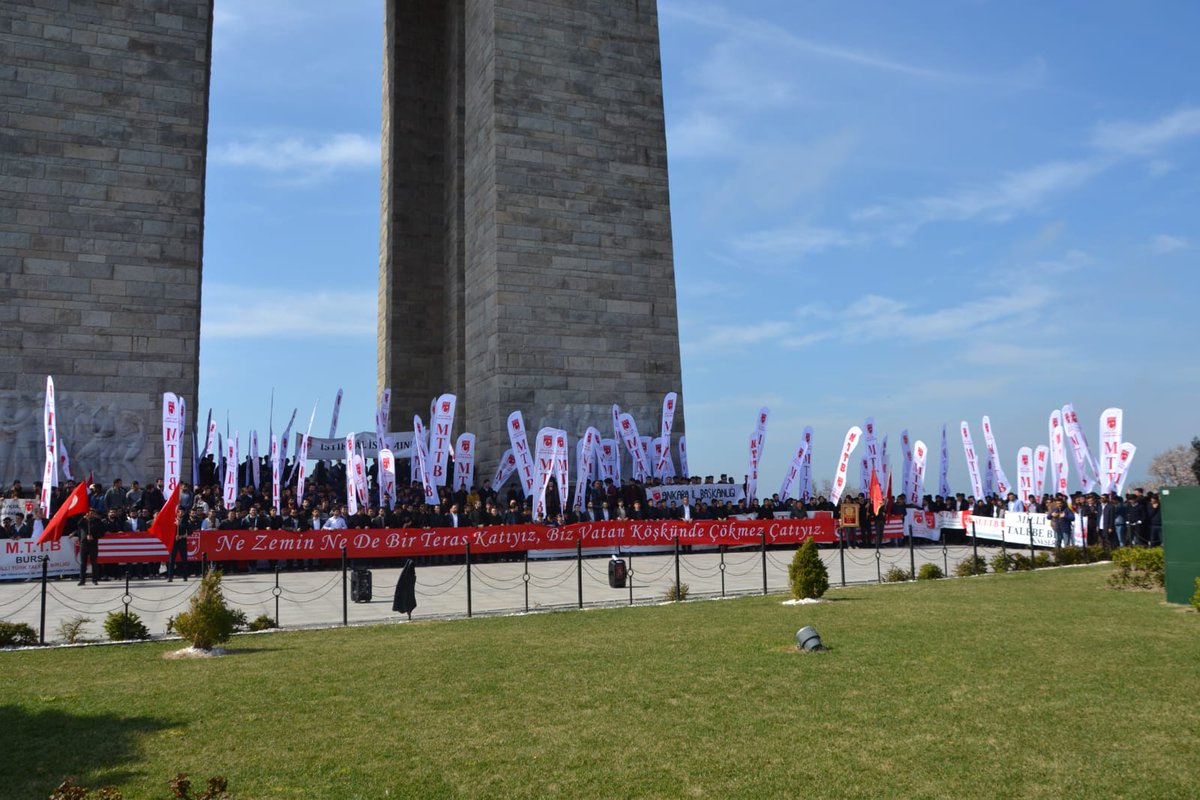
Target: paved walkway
313, 599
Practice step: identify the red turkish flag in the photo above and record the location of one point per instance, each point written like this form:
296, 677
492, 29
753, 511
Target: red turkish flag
163, 526
77, 503
876, 492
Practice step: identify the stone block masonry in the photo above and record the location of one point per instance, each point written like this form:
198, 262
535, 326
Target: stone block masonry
526, 258
103, 131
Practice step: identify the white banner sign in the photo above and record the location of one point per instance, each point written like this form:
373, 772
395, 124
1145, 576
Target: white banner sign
839, 477
21, 559
696, 493
464, 461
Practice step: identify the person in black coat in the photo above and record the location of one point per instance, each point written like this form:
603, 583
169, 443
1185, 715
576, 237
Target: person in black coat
90, 531
1154, 522
183, 526
406, 590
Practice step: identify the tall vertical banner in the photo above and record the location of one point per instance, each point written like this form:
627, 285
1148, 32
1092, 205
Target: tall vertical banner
464, 462
906, 448
50, 431
172, 418
64, 460
351, 489
1112, 422
422, 451
210, 439
562, 467
683, 465
387, 479
916, 489
972, 460
644, 444
276, 473
610, 454
806, 485
668, 417
506, 467
544, 469
839, 477
629, 435
439, 436
660, 449
360, 480
871, 451
1079, 448
794, 471
757, 440
283, 442
989, 438
589, 447
231, 468
1041, 460
1127, 453
944, 467
989, 477
1025, 471
254, 459
618, 438
520, 450
385, 411
1058, 453
337, 407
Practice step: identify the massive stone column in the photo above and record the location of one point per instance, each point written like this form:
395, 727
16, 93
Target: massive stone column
526, 260
103, 120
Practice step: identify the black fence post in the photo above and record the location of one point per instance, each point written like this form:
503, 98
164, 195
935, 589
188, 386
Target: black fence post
45, 572
579, 568
974, 549
468, 565
629, 575
842, 554
277, 593
722, 570
912, 555
345, 591
1032, 565
525, 580
878, 562
764, 561
126, 599
677, 584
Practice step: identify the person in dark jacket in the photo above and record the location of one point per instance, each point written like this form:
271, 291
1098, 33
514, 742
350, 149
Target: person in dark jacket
406, 590
90, 531
1135, 522
1154, 522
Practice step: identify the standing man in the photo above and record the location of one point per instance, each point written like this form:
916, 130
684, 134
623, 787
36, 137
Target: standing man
1063, 518
183, 526
90, 530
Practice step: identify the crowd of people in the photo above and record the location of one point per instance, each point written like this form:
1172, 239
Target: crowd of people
1108, 519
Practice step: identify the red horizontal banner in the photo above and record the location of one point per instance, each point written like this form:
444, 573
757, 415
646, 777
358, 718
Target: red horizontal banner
391, 543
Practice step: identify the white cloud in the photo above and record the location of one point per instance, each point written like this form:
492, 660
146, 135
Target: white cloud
303, 158
793, 241
235, 312
1162, 244
1145, 138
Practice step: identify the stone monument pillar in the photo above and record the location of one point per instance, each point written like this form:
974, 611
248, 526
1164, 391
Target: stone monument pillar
103, 127
526, 259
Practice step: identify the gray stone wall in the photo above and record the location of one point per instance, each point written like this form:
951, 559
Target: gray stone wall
568, 289
103, 125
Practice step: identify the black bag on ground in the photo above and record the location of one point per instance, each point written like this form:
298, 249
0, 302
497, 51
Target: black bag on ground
360, 585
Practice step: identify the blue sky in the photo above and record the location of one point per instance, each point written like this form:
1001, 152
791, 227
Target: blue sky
925, 212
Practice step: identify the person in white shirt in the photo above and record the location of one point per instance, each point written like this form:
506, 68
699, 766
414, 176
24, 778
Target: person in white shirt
335, 522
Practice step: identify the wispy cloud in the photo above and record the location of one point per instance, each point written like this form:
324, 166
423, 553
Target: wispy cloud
237, 312
302, 158
1145, 138
793, 241
1162, 244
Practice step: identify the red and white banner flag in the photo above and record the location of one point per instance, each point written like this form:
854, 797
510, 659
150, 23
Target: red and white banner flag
1025, 472
544, 468
464, 461
610, 457
439, 436
633, 443
1127, 453
794, 471
757, 440
972, 461
1041, 461
50, 432
1112, 422
618, 438
839, 477
806, 479
387, 479
420, 449
360, 480
660, 449
989, 438
351, 488
870, 453
1058, 453
683, 465
920, 456
172, 434
506, 467
254, 459
906, 449
520, 450
668, 417
588, 455
384, 412
1079, 448
210, 441
644, 443
276, 473
64, 461
231, 468
562, 466
337, 407
283, 440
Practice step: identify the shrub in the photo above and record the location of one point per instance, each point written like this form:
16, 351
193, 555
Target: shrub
1001, 562
262, 622
677, 592
17, 634
975, 565
1042, 560
119, 627
807, 575
1068, 556
208, 621
930, 572
1140, 567
1196, 596
896, 575
71, 630
1019, 562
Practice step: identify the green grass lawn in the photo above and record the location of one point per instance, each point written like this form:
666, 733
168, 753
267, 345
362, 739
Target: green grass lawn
1022, 685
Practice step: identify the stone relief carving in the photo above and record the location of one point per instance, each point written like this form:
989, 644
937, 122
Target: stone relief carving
100, 439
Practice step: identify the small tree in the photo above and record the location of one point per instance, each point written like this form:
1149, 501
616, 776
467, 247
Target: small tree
807, 574
1174, 467
208, 621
